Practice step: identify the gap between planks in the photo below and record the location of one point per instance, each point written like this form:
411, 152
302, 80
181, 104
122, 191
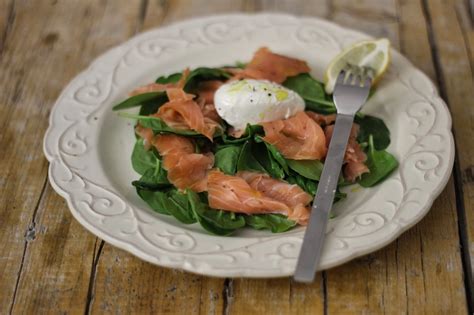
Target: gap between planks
457, 174
95, 260
28, 238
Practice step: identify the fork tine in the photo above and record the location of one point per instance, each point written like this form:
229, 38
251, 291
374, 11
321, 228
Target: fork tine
350, 78
358, 79
341, 77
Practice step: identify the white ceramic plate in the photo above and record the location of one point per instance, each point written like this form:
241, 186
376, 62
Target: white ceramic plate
89, 148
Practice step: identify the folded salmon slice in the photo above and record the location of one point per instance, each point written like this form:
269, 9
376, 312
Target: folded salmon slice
298, 137
270, 66
186, 169
321, 119
146, 134
354, 157
158, 87
291, 195
182, 112
255, 193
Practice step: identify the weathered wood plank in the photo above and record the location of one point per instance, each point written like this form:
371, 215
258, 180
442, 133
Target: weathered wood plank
57, 263
421, 272
125, 284
467, 26
49, 43
276, 296
177, 10
377, 18
319, 8
6, 21
455, 65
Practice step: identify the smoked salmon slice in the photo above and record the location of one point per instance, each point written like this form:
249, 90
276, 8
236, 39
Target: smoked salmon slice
298, 137
270, 66
321, 119
186, 169
158, 87
146, 134
354, 157
255, 193
182, 112
292, 195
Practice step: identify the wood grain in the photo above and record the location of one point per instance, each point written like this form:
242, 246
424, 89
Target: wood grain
57, 263
454, 63
374, 17
48, 43
467, 27
404, 277
124, 285
6, 21
276, 296
49, 263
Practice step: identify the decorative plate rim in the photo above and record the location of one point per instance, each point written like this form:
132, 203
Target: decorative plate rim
286, 262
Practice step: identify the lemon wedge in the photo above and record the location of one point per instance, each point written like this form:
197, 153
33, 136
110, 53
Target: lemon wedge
374, 54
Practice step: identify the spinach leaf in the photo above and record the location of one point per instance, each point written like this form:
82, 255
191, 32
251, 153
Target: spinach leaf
214, 221
172, 78
312, 92
370, 125
154, 178
277, 223
203, 73
138, 100
143, 159
311, 186
306, 184
158, 125
306, 86
170, 202
247, 161
339, 195
277, 156
240, 64
321, 107
181, 209
237, 64
311, 169
195, 76
265, 158
380, 164
226, 159
152, 106
157, 200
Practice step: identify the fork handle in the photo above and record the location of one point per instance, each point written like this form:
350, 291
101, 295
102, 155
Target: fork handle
313, 240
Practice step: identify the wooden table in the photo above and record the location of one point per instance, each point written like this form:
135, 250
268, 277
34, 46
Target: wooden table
51, 264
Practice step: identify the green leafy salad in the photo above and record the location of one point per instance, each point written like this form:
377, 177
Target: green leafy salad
255, 163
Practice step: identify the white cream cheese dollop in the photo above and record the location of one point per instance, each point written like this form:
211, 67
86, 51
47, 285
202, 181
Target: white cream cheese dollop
254, 101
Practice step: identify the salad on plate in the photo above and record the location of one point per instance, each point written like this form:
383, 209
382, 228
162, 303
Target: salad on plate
244, 145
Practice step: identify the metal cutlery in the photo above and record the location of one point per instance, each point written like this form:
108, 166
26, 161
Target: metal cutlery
350, 93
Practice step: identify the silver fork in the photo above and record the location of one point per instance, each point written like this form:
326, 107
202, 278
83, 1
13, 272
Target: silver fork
350, 93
